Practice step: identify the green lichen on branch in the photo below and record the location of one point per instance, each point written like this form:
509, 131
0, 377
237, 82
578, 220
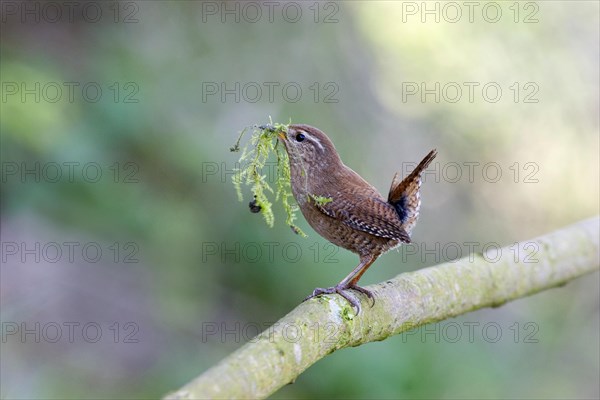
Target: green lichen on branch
253, 160
321, 200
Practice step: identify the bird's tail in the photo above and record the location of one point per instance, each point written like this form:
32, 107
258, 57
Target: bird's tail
404, 195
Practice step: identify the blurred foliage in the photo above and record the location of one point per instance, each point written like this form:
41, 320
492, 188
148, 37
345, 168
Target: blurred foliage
162, 144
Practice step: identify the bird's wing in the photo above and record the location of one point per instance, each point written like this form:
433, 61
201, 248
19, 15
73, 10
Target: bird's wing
366, 214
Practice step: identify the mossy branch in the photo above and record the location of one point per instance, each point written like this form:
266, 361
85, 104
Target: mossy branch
323, 325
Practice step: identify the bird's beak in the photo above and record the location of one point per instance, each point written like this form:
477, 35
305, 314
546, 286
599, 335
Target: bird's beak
281, 135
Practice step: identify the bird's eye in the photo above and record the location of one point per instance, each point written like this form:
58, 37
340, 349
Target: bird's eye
300, 137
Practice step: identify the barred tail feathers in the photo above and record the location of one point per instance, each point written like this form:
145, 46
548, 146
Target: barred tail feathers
404, 195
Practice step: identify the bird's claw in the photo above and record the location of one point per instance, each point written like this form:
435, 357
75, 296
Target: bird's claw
341, 291
364, 291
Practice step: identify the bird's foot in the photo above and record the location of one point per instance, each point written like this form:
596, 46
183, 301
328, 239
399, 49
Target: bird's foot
341, 291
364, 291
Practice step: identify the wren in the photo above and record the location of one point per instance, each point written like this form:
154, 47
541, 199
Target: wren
344, 208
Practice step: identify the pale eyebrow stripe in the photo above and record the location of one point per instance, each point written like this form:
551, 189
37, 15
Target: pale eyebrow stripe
314, 139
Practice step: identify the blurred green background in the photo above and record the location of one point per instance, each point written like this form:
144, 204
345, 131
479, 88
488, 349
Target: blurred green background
151, 95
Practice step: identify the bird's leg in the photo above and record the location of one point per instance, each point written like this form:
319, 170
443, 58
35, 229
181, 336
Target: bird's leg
350, 282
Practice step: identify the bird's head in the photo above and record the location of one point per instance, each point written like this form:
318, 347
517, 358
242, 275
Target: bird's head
309, 149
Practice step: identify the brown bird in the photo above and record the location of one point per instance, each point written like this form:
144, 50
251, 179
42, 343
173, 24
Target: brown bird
344, 208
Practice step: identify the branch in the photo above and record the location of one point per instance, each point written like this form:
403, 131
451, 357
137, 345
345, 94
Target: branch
323, 325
